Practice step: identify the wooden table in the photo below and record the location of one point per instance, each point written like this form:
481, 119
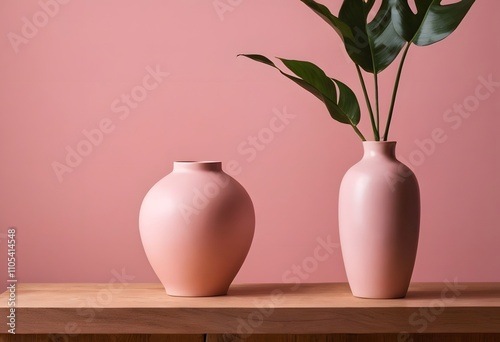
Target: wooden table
431, 311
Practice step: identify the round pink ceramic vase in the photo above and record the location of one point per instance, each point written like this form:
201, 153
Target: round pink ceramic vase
379, 218
197, 225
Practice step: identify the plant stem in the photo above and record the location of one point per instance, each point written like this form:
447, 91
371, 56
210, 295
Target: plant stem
395, 91
358, 132
377, 122
368, 104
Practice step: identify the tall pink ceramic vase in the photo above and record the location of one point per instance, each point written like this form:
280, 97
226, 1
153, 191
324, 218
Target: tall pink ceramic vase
197, 225
379, 218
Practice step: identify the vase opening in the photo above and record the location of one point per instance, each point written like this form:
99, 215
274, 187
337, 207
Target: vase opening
203, 165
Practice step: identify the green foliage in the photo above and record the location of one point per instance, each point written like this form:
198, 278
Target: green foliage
376, 44
432, 22
343, 107
372, 46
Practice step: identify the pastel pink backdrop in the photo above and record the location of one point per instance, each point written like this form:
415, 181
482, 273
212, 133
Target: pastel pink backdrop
66, 76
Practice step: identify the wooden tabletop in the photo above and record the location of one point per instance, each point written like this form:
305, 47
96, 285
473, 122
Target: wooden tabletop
127, 308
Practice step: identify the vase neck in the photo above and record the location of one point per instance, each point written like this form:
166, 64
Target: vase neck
197, 166
379, 149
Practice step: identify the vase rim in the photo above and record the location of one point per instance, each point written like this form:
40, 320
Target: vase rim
379, 142
207, 165
198, 161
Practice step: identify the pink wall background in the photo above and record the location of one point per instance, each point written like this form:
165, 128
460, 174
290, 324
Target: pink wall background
68, 74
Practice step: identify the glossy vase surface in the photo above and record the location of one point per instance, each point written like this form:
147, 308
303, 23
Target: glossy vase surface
197, 225
379, 220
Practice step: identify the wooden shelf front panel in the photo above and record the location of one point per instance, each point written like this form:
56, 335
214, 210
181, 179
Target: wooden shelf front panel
250, 309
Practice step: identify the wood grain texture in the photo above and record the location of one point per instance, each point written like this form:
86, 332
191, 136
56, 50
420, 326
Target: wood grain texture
252, 309
254, 338
101, 338
359, 338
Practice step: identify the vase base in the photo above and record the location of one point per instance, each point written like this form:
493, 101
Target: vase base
196, 294
379, 296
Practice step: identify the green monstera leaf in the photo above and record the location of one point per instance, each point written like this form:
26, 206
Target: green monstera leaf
338, 25
376, 44
373, 45
339, 99
432, 22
